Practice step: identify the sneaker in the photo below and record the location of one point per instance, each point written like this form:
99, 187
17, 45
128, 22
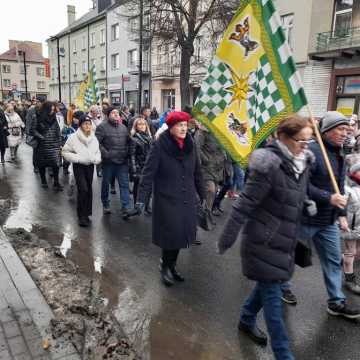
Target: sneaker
343, 310
58, 187
106, 210
288, 297
351, 283
197, 242
216, 212
255, 334
44, 185
83, 222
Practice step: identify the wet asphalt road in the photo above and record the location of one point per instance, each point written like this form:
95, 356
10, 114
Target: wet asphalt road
193, 321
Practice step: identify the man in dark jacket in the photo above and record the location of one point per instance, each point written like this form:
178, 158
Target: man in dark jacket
323, 228
115, 146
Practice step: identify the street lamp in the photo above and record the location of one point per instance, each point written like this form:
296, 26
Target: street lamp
23, 54
60, 53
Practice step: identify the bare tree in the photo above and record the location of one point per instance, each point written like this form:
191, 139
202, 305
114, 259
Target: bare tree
180, 22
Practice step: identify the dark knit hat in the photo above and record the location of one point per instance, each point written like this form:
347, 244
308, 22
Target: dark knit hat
110, 109
175, 117
331, 120
78, 114
84, 118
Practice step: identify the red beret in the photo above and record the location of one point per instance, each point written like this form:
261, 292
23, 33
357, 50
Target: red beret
176, 117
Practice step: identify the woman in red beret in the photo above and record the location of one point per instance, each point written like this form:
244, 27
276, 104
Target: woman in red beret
172, 171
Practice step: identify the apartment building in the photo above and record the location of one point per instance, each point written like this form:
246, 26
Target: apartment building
123, 56
325, 36
74, 50
13, 80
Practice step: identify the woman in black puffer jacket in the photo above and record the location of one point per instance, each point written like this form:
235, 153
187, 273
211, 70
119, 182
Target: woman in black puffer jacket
47, 155
141, 136
268, 215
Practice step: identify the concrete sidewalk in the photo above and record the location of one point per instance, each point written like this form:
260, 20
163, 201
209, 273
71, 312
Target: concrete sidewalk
24, 314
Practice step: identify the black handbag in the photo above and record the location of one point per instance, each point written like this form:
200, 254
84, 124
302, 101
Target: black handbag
303, 255
203, 218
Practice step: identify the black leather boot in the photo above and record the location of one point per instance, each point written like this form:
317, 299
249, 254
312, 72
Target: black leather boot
166, 276
175, 274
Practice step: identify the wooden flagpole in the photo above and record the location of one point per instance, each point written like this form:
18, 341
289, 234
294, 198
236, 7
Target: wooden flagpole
323, 151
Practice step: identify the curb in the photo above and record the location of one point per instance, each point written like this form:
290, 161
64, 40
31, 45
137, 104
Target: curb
22, 294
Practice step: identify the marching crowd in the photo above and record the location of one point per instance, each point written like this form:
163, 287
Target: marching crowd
173, 169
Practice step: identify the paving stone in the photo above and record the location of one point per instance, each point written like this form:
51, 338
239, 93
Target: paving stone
30, 332
6, 315
17, 345
3, 343
5, 355
11, 329
23, 357
23, 317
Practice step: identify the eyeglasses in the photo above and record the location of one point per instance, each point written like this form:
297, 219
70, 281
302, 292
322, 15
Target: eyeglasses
303, 142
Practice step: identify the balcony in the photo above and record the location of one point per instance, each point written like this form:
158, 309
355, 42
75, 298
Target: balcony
164, 71
337, 44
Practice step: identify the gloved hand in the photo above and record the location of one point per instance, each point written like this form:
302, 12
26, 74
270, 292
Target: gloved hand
140, 207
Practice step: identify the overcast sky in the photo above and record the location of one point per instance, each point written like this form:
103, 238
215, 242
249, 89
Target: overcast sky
36, 20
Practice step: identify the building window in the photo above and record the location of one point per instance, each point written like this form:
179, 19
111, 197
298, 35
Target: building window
22, 69
343, 17
22, 84
50, 51
93, 39
52, 74
287, 22
84, 67
132, 58
102, 37
75, 69
93, 63
6, 69
83, 43
40, 71
115, 62
133, 25
7, 83
63, 71
41, 85
168, 99
103, 63
115, 32
74, 47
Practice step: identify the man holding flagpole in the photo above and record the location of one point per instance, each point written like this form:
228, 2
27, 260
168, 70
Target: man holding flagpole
251, 86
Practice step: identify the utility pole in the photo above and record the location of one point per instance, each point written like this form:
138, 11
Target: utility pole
25, 74
58, 67
141, 26
23, 53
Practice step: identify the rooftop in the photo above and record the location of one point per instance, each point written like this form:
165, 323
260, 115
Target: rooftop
31, 54
90, 17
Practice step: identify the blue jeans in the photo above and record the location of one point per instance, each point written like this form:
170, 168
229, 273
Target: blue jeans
238, 179
267, 296
121, 173
326, 240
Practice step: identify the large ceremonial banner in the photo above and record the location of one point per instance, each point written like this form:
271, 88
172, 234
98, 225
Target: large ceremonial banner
252, 82
88, 92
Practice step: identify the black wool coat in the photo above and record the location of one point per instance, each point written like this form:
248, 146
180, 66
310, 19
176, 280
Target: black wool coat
175, 177
268, 216
3, 131
47, 132
139, 152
